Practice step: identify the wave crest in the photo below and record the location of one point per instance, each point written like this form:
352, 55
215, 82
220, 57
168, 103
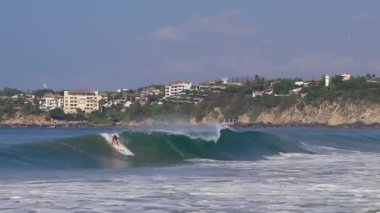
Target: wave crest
94, 151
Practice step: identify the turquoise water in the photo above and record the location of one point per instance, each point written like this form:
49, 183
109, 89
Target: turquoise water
190, 168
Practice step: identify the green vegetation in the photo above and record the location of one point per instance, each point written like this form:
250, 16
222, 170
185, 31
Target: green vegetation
7, 107
30, 108
9, 92
356, 89
40, 93
230, 100
59, 114
98, 118
282, 86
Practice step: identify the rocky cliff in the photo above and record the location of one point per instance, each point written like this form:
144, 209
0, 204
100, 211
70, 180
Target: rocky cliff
327, 113
19, 119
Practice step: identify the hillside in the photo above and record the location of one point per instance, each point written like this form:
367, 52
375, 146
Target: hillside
267, 102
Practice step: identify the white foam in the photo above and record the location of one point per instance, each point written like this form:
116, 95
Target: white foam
282, 183
205, 132
318, 149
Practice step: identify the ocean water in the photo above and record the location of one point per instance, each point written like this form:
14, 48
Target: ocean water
190, 169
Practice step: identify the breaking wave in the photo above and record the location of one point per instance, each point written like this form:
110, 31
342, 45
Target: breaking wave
150, 147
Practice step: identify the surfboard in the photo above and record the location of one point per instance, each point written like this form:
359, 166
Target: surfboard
118, 147
121, 148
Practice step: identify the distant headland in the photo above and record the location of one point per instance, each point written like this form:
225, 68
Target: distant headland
339, 101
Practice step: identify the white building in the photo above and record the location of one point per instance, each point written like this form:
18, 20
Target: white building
50, 101
122, 90
301, 83
17, 97
150, 91
295, 91
327, 80
86, 100
257, 93
127, 104
30, 98
346, 76
176, 88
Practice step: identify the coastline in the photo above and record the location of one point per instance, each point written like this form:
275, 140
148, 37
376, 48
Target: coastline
357, 125
327, 115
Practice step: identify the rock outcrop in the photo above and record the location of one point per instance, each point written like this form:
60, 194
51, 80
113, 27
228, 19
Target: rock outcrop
19, 119
328, 113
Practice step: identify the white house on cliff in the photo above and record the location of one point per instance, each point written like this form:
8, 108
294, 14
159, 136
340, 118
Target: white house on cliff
176, 88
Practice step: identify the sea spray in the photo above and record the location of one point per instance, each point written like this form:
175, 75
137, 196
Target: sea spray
209, 132
160, 146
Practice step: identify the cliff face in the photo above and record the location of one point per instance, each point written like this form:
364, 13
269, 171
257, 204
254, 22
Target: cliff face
326, 114
19, 119
213, 117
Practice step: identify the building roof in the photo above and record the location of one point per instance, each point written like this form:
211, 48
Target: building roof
81, 91
208, 82
51, 95
179, 82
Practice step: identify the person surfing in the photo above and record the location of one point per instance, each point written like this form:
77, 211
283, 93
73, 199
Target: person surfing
116, 139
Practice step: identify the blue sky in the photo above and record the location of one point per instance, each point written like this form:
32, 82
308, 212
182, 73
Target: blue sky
128, 44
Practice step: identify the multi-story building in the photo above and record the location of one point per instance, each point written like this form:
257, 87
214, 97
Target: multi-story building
83, 99
50, 101
176, 88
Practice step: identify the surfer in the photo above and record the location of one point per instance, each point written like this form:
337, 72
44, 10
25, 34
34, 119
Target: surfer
116, 139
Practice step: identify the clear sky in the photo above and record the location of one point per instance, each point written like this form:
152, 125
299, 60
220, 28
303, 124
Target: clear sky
113, 44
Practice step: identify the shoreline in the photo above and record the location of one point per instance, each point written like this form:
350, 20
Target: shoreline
313, 125
235, 125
